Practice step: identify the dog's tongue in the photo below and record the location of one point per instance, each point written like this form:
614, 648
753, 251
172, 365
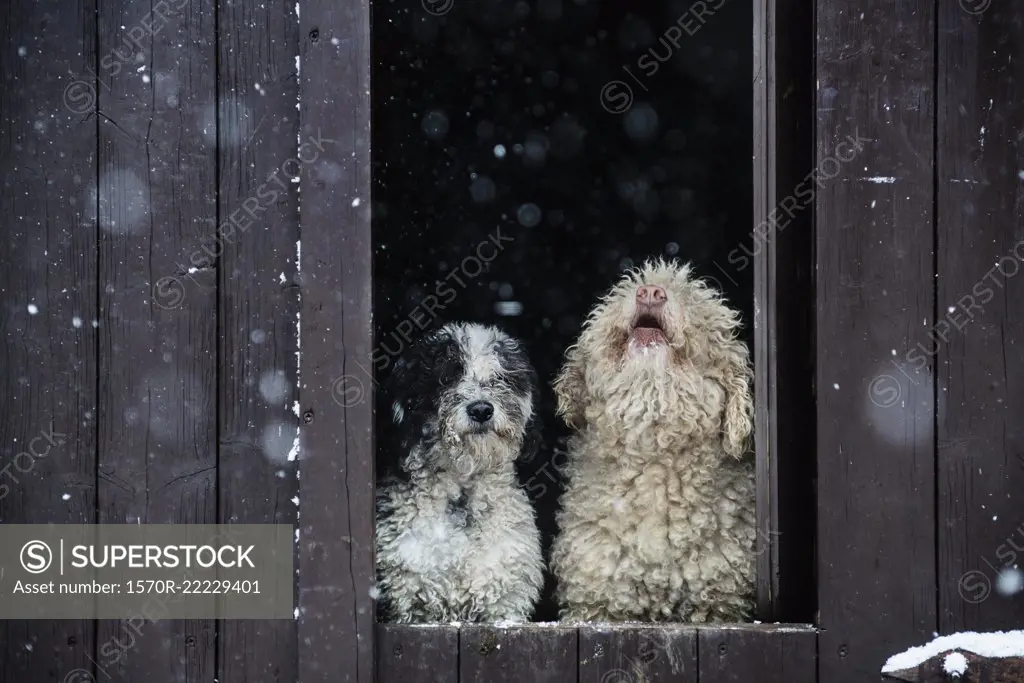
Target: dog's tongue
647, 336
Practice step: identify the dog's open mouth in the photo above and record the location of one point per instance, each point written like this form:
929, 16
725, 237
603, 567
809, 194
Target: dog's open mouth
647, 330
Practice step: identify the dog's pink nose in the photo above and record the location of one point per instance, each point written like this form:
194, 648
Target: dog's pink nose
650, 294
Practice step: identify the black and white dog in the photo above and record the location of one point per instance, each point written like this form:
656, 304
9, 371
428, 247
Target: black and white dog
457, 538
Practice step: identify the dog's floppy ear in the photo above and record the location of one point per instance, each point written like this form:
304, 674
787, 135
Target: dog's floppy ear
570, 388
398, 415
522, 377
411, 392
532, 434
738, 422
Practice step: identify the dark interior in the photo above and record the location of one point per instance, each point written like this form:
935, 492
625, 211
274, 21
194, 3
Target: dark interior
586, 186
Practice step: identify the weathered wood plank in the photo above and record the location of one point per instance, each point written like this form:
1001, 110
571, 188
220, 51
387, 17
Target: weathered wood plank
425, 654
258, 301
634, 653
783, 312
979, 336
48, 369
490, 654
336, 491
158, 323
875, 299
741, 655
764, 419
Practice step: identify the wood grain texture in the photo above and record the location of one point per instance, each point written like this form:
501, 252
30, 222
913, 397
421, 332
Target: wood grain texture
490, 654
764, 419
765, 655
258, 299
782, 256
48, 363
875, 300
336, 565
157, 323
979, 340
597, 653
628, 654
424, 654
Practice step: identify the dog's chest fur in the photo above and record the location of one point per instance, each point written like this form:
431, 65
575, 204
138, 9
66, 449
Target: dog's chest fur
660, 529
446, 530
451, 551
654, 499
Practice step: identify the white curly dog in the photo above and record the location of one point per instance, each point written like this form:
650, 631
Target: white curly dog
657, 520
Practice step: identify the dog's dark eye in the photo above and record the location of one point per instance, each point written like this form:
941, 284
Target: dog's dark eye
451, 370
519, 381
449, 366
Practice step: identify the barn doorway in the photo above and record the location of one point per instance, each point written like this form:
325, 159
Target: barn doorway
590, 136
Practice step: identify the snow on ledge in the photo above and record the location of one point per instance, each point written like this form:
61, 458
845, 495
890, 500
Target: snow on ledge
997, 644
955, 664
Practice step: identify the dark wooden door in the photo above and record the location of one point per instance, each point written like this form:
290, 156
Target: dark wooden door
176, 323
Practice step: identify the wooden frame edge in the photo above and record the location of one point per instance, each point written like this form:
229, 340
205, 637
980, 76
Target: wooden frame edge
336, 612
783, 309
766, 561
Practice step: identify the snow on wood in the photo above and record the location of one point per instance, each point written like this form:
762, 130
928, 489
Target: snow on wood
997, 644
955, 664
966, 657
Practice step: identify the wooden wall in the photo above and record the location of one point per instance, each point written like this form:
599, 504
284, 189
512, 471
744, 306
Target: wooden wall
919, 320
155, 370
560, 653
980, 301
49, 370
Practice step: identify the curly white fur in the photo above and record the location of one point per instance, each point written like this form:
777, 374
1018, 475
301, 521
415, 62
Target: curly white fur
457, 538
657, 521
